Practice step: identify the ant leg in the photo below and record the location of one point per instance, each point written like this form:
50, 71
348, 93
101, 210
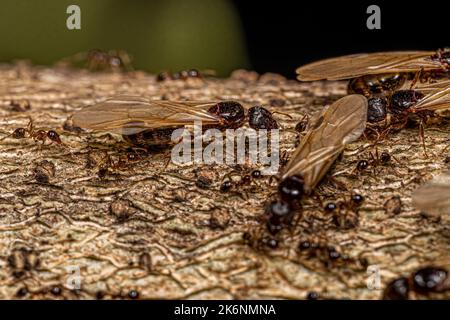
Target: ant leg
417, 77
30, 128
271, 178
395, 158
422, 137
282, 113
338, 184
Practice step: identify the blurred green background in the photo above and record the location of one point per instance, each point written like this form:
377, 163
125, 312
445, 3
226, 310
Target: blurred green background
160, 35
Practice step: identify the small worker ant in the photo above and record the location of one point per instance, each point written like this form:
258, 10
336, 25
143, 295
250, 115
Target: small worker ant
376, 159
36, 135
106, 161
246, 179
345, 214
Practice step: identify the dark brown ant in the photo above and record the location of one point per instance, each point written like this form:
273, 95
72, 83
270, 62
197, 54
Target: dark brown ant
246, 179
37, 135
423, 281
278, 215
399, 105
315, 247
261, 118
376, 159
105, 162
257, 241
345, 214
181, 75
301, 126
97, 60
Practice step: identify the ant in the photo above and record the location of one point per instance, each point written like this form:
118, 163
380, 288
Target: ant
96, 59
182, 75
106, 162
345, 214
37, 135
315, 247
376, 159
301, 126
259, 242
422, 281
246, 179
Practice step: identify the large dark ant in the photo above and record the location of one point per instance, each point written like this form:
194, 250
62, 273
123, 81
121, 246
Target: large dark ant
423, 281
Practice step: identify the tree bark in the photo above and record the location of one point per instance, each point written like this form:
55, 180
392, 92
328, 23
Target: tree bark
143, 229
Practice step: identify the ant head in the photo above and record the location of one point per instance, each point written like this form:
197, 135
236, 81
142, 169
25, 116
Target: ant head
231, 112
54, 136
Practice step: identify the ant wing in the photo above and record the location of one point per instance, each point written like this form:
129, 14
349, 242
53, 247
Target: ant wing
132, 114
341, 123
431, 86
435, 100
433, 197
357, 65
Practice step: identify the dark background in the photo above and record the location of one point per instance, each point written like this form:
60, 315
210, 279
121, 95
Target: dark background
282, 35
223, 35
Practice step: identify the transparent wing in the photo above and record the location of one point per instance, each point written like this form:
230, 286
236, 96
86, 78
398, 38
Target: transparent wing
436, 99
356, 65
132, 114
428, 87
341, 123
434, 197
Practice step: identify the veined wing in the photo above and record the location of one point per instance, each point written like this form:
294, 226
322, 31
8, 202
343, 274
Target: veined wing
356, 65
434, 197
132, 114
434, 100
341, 123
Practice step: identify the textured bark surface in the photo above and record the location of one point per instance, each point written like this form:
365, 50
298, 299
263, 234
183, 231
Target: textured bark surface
169, 232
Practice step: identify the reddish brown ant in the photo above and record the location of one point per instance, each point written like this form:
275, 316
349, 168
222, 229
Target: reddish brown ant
36, 135
106, 161
245, 179
96, 60
181, 75
257, 240
376, 159
345, 214
316, 247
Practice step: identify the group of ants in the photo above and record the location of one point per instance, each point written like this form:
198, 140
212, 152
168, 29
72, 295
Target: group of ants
278, 214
